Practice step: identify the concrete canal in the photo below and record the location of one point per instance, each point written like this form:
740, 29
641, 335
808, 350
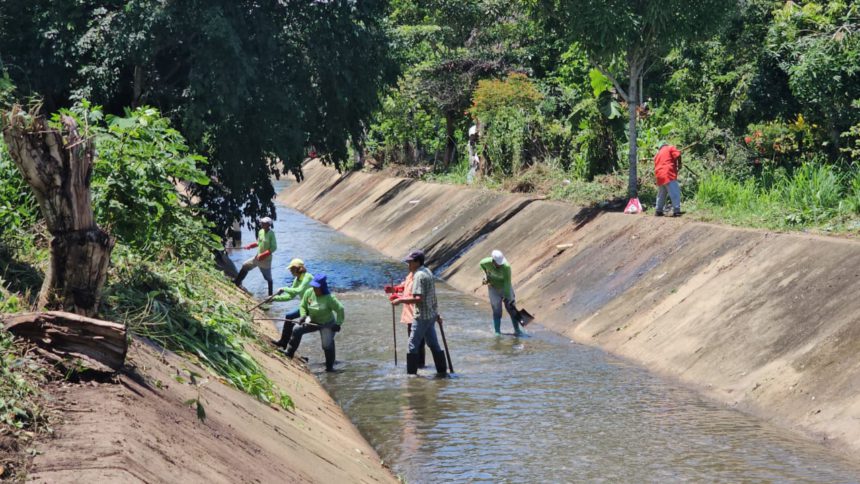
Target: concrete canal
534, 409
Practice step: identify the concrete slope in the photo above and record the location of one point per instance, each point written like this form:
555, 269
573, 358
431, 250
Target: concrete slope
140, 430
764, 322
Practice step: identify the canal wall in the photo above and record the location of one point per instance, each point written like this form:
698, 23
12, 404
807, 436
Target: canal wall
141, 428
765, 322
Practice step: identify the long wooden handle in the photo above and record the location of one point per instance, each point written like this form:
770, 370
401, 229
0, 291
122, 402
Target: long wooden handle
264, 301
394, 333
447, 351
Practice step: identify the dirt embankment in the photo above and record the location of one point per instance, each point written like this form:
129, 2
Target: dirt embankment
768, 323
140, 430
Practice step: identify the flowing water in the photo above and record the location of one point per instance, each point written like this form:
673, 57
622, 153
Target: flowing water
532, 409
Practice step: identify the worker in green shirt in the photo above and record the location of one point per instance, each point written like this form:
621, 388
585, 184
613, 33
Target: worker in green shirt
266, 245
497, 277
318, 311
301, 283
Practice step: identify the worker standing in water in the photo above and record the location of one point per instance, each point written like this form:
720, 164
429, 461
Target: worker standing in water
497, 277
301, 283
318, 311
426, 314
266, 245
407, 313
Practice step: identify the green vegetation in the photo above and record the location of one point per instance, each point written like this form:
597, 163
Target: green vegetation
191, 309
162, 283
248, 84
21, 407
761, 96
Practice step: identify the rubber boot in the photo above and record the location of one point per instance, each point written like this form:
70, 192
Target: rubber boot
441, 364
411, 363
422, 355
295, 341
286, 333
517, 330
270, 287
241, 276
329, 359
497, 326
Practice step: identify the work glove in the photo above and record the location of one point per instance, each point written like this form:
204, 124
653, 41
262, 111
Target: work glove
335, 328
280, 291
263, 255
390, 289
392, 297
252, 245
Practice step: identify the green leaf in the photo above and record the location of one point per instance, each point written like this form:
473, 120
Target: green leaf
599, 82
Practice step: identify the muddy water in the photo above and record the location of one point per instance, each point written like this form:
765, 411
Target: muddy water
533, 409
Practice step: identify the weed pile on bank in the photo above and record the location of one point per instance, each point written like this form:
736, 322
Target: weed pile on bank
193, 310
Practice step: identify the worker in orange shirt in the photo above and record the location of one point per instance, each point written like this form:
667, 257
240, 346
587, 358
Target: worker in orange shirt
667, 164
408, 314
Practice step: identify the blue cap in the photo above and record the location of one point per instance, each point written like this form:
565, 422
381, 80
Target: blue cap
321, 281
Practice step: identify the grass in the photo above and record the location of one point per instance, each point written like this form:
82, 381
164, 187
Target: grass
23, 411
192, 310
816, 196
188, 308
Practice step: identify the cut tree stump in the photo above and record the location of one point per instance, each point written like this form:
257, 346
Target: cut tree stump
99, 345
58, 166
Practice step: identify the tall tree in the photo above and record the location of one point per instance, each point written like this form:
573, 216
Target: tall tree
622, 38
250, 83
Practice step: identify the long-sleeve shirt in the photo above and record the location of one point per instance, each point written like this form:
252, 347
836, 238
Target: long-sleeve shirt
498, 276
300, 285
266, 241
322, 309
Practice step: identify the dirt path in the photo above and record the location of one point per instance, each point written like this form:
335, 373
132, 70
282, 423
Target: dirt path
139, 430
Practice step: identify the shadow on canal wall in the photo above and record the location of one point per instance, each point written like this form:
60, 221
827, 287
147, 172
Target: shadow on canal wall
767, 323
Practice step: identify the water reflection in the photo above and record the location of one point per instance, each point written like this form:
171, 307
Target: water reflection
536, 409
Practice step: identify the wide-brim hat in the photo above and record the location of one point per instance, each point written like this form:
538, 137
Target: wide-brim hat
296, 264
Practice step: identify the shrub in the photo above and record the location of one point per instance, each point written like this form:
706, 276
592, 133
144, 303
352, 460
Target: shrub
18, 207
507, 108
139, 174
813, 193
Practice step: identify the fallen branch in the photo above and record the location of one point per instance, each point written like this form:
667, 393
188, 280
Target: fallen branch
99, 345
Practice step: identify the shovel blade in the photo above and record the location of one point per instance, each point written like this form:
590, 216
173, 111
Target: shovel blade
525, 317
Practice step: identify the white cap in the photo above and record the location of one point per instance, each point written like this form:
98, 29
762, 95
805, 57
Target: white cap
266, 220
499, 258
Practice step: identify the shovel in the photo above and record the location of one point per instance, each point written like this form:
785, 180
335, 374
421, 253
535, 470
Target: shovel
523, 316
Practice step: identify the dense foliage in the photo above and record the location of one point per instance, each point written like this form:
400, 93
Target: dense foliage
251, 85
161, 283
756, 93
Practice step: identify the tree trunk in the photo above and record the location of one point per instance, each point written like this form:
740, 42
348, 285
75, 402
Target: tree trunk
632, 135
450, 144
101, 345
137, 88
58, 167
